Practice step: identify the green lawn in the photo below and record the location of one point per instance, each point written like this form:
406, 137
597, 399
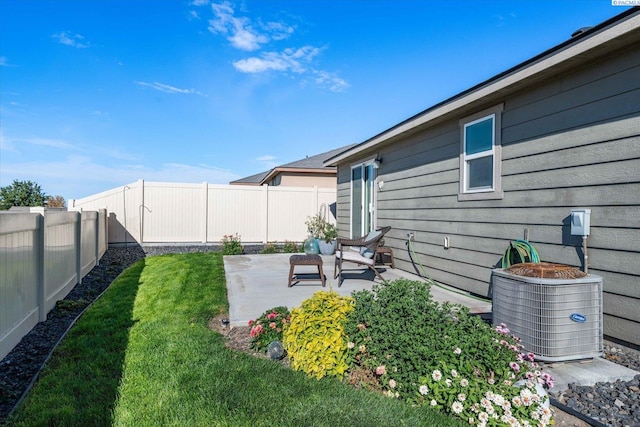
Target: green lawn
143, 355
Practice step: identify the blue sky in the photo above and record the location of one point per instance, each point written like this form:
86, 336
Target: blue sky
96, 94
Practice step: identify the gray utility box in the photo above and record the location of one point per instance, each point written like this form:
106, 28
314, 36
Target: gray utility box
556, 319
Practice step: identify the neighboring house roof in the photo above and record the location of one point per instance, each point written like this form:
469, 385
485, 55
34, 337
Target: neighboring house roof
251, 180
314, 164
584, 45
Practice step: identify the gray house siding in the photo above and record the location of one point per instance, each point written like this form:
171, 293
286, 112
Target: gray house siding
571, 141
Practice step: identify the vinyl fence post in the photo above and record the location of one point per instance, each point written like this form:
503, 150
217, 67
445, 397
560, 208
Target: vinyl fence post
97, 238
205, 222
78, 245
39, 247
266, 214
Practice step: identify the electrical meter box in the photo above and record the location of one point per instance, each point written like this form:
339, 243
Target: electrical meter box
580, 222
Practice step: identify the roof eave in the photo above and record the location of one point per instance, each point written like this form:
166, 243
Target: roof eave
279, 170
568, 54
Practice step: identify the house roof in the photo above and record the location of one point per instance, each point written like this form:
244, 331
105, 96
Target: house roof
584, 45
310, 164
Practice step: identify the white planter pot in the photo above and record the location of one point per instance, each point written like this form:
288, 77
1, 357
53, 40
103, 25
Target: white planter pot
327, 248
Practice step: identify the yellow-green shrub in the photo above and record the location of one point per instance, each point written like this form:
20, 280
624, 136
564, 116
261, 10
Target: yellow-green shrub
314, 338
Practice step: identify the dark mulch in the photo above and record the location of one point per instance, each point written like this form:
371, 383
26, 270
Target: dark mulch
22, 365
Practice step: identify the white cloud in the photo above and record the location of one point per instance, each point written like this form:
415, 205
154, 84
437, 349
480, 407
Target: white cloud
278, 30
169, 89
260, 65
80, 176
247, 39
267, 161
78, 170
331, 81
241, 32
238, 30
289, 60
266, 158
43, 142
73, 40
251, 35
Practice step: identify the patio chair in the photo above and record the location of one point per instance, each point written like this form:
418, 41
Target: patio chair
364, 255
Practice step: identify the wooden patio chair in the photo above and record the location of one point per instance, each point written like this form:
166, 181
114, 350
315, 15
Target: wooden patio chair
364, 255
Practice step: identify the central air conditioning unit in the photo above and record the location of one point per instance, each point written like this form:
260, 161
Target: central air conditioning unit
557, 315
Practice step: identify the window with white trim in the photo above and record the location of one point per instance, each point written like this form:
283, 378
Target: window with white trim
480, 156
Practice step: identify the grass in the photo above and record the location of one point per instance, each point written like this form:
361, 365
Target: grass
143, 355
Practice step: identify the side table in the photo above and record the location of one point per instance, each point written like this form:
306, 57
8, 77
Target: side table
381, 251
305, 260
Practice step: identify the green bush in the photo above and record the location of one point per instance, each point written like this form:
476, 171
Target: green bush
269, 248
314, 338
290, 247
231, 245
415, 349
390, 333
268, 328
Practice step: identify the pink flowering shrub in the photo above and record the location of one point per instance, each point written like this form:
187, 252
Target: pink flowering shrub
231, 244
268, 328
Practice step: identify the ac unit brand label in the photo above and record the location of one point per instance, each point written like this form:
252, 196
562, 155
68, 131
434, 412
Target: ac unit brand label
577, 317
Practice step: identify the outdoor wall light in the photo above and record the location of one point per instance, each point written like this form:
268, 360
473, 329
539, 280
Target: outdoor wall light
380, 185
377, 162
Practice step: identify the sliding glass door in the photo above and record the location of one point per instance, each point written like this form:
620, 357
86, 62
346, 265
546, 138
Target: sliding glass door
363, 176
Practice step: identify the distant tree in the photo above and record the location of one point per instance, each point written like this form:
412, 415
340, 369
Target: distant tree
22, 193
56, 202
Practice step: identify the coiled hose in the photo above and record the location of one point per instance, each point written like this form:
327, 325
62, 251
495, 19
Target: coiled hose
519, 251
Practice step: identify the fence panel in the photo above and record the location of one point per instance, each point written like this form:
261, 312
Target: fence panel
43, 255
239, 210
123, 207
161, 212
173, 213
289, 208
21, 236
88, 242
61, 247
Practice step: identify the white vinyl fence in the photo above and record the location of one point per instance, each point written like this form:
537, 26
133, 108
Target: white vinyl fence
165, 213
43, 255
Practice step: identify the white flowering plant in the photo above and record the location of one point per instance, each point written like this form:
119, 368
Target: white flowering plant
320, 228
484, 402
440, 355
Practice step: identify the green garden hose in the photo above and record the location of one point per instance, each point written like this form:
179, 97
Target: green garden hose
519, 251
423, 274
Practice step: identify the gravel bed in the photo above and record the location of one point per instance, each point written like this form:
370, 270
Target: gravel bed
612, 404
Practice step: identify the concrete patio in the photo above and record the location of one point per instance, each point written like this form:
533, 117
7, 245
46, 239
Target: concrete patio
256, 283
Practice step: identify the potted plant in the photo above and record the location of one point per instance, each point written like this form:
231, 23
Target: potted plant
327, 241
324, 232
